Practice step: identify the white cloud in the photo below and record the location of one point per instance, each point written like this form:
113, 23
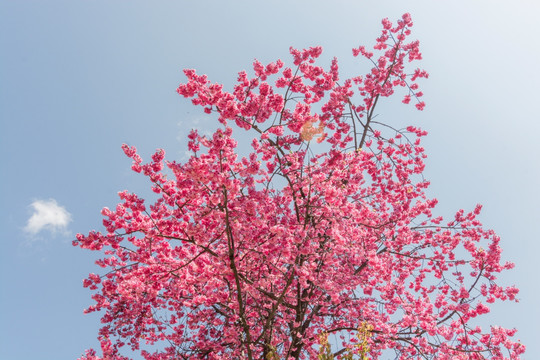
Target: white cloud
47, 215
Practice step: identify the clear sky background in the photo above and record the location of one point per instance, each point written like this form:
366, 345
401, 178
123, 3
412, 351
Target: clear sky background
79, 78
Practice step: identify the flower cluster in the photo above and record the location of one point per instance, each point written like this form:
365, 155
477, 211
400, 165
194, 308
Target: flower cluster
262, 256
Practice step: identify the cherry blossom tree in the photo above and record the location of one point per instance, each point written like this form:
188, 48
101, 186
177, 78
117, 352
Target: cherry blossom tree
318, 243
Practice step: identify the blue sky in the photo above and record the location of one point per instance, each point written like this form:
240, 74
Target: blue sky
79, 78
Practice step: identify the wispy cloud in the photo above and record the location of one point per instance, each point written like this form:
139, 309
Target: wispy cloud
47, 215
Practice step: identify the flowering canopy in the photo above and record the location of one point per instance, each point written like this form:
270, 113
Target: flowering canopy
323, 229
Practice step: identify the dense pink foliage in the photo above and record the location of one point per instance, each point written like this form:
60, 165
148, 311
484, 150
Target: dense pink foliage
323, 228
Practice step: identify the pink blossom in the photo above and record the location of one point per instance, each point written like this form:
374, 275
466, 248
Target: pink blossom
257, 255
